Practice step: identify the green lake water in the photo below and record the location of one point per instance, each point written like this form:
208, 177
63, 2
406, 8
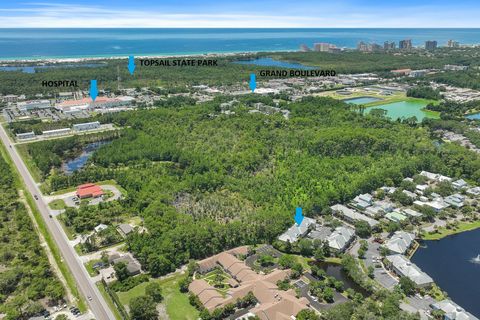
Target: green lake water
403, 109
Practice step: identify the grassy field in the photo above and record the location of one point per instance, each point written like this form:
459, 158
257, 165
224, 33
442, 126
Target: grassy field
58, 204
177, 304
443, 232
109, 301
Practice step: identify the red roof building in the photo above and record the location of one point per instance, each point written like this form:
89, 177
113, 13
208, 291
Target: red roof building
89, 190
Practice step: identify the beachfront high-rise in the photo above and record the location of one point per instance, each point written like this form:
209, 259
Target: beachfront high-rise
405, 44
430, 45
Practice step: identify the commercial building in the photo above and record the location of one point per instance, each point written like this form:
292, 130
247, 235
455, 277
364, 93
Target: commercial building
454, 67
89, 190
405, 44
56, 132
100, 103
86, 126
273, 303
401, 72
452, 310
430, 45
400, 242
404, 268
33, 105
26, 135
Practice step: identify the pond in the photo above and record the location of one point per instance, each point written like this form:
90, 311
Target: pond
269, 62
336, 271
33, 69
454, 264
362, 100
473, 116
404, 109
72, 165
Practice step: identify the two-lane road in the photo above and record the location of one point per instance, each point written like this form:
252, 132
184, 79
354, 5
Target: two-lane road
86, 287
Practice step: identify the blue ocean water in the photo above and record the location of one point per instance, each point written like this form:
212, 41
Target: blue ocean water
74, 43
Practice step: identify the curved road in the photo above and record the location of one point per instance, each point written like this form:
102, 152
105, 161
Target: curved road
85, 285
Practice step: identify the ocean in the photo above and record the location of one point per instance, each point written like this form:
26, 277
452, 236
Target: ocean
83, 43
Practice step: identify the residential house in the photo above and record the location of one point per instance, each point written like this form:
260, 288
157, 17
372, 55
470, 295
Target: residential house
404, 268
400, 242
395, 216
341, 238
296, 231
459, 184
455, 200
351, 215
452, 310
125, 229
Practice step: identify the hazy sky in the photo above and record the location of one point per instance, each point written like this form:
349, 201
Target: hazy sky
240, 13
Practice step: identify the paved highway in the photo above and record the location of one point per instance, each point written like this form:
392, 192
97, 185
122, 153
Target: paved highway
86, 287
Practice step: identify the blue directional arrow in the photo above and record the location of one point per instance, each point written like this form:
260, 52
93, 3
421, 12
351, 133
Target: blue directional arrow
131, 64
93, 89
298, 216
253, 82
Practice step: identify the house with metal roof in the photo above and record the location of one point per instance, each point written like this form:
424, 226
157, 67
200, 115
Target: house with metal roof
396, 216
404, 268
459, 184
340, 238
351, 215
399, 242
296, 231
452, 310
455, 200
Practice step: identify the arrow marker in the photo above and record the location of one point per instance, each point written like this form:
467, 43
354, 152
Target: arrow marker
131, 64
253, 82
298, 216
93, 90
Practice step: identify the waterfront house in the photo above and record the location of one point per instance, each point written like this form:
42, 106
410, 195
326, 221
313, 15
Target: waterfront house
452, 310
400, 242
404, 268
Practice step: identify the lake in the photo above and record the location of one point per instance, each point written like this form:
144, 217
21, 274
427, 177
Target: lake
269, 62
450, 262
362, 100
403, 109
72, 165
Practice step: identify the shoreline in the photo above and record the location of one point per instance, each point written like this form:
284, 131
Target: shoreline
5, 62
463, 227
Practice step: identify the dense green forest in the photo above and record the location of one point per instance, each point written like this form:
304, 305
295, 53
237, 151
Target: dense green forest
228, 73
424, 92
26, 277
204, 181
